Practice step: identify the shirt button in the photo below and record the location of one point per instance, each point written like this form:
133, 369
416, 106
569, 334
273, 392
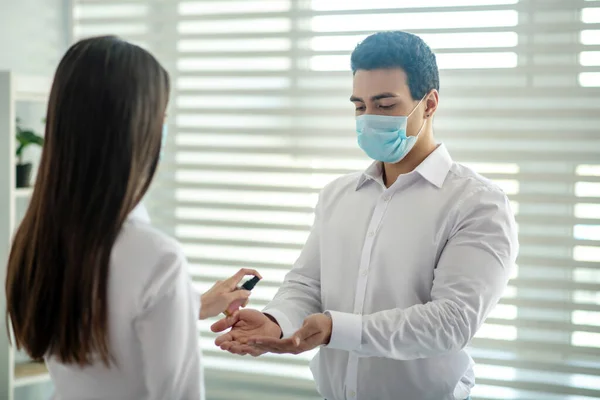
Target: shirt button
386, 198
352, 393
371, 234
365, 273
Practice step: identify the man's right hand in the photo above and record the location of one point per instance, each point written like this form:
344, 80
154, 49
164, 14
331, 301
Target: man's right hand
244, 325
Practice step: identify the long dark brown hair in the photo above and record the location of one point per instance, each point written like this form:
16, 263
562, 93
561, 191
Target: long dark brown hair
102, 144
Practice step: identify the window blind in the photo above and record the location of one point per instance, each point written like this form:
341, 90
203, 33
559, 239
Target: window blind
260, 121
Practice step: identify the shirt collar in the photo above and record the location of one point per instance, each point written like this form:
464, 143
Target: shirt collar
374, 172
139, 213
434, 168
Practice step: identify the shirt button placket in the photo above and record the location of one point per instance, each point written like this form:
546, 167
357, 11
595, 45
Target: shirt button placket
380, 209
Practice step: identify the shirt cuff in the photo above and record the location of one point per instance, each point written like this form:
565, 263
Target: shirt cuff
346, 331
287, 329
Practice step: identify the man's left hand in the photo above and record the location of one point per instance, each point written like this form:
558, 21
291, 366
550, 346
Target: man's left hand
315, 331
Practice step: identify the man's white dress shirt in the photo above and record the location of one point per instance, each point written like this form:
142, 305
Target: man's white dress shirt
408, 274
152, 318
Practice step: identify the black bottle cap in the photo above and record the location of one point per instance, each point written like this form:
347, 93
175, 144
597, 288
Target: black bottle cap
249, 285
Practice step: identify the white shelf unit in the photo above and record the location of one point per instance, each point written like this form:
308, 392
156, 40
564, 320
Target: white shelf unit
23, 193
14, 89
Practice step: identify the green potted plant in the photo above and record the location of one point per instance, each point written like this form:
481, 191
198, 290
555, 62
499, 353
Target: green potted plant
25, 138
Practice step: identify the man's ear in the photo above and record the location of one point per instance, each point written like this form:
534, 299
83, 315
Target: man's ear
431, 103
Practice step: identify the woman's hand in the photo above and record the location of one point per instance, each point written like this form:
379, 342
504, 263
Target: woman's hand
223, 293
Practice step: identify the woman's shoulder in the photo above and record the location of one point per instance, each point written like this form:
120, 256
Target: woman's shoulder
151, 261
138, 236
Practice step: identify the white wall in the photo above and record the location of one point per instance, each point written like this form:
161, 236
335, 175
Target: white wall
33, 34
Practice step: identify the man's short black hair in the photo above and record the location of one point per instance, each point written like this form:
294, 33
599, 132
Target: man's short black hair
403, 50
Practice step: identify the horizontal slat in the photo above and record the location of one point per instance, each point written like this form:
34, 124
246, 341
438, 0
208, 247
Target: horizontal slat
521, 50
299, 34
481, 90
244, 243
541, 219
292, 111
545, 261
441, 131
545, 70
242, 224
553, 220
168, 217
549, 304
208, 54
522, 6
581, 156
229, 186
131, 37
555, 284
233, 262
248, 207
550, 198
527, 345
522, 197
566, 241
301, 13
548, 326
146, 18
540, 387
231, 153
229, 165
520, 363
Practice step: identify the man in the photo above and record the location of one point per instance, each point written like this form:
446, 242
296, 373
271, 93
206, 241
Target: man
404, 261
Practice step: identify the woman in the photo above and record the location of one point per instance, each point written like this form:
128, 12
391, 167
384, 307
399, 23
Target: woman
91, 287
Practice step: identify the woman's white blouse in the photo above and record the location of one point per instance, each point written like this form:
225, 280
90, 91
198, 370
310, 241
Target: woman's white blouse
153, 311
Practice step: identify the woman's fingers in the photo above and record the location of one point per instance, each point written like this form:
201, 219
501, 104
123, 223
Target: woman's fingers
232, 282
236, 299
238, 295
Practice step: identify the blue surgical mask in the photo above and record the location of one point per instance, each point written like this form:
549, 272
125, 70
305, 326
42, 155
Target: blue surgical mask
165, 131
384, 138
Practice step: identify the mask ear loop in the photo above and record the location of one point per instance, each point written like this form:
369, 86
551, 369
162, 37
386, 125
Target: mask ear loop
417, 106
422, 126
424, 120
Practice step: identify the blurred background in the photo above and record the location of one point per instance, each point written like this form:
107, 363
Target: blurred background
260, 121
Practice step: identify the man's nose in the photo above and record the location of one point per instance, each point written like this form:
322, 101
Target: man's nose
373, 110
